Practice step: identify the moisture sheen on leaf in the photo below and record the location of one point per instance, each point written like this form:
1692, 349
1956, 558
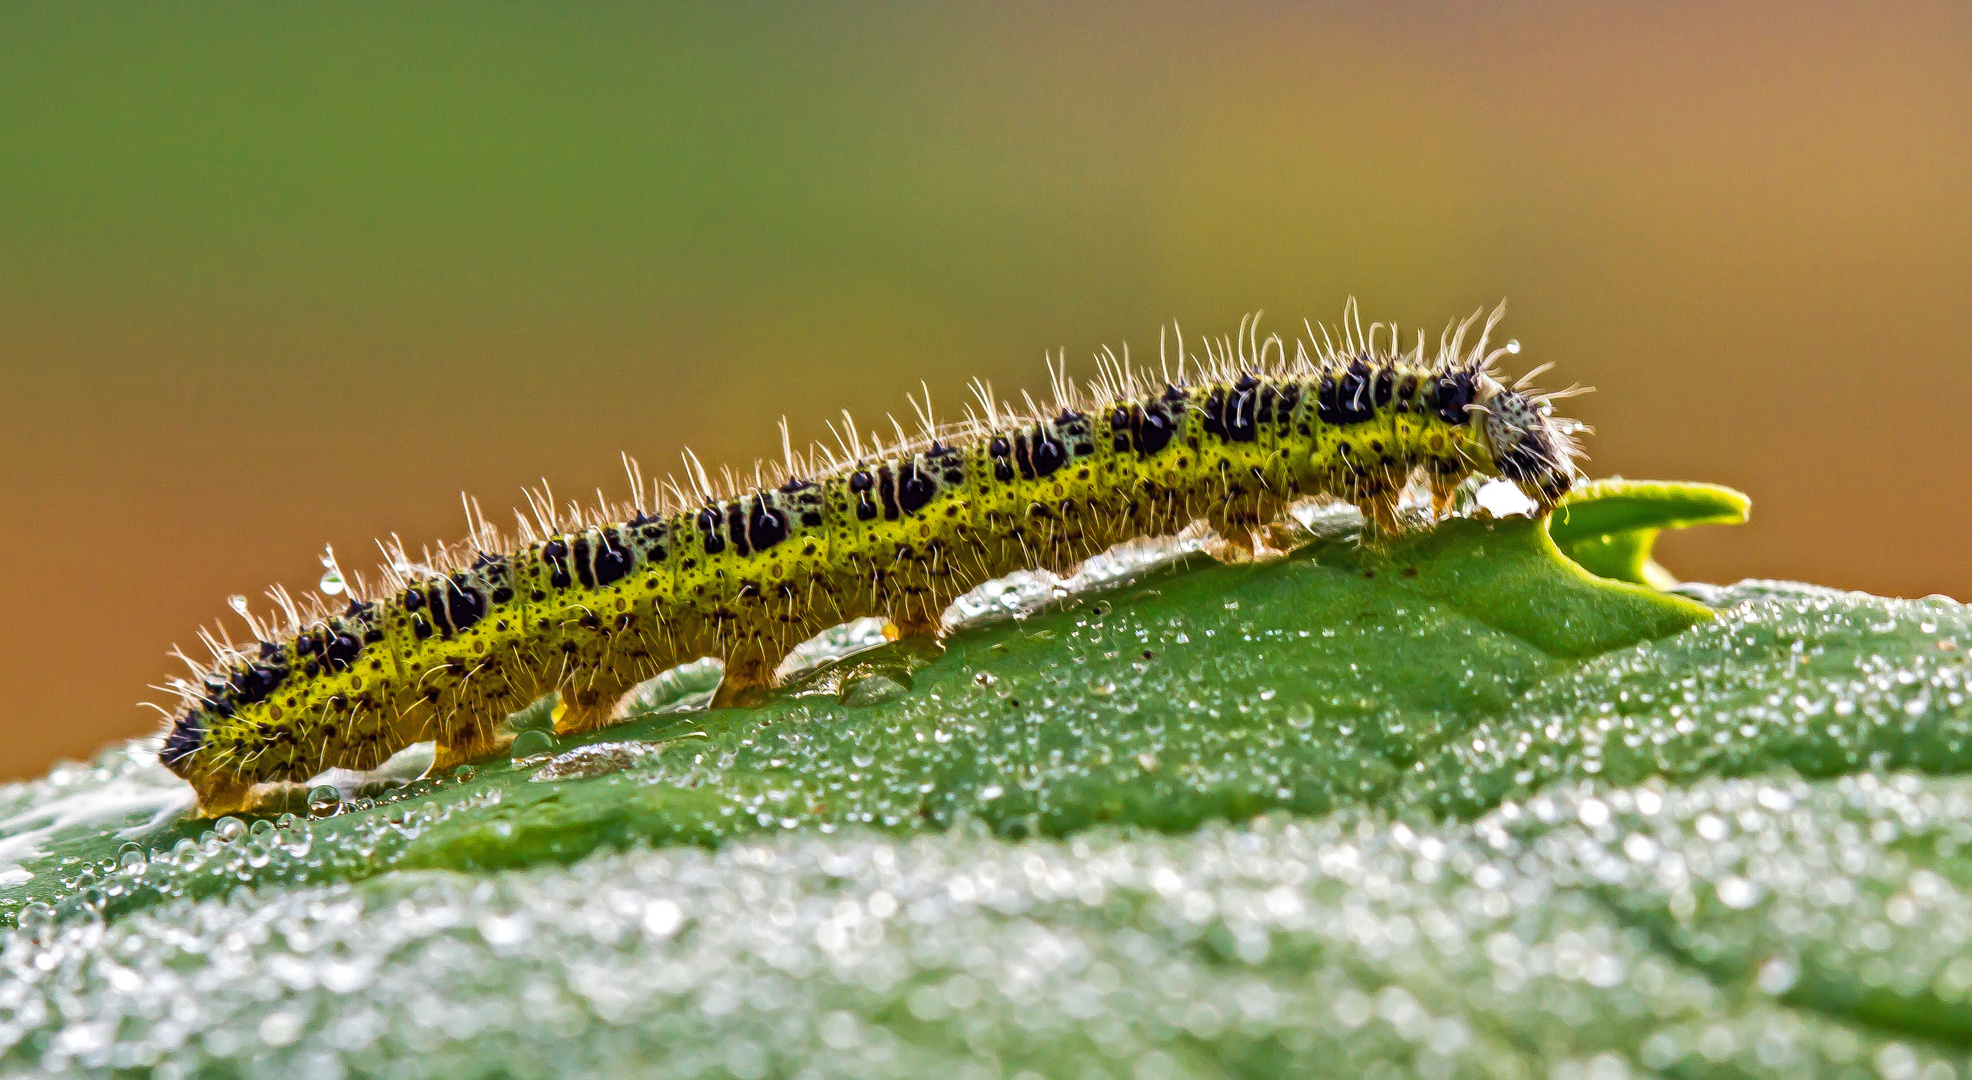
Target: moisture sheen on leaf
1449, 806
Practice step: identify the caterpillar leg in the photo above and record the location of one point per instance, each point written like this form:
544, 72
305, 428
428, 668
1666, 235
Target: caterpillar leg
221, 795
578, 711
1381, 510
1235, 546
1282, 535
473, 742
1263, 544
914, 626
746, 683
1442, 490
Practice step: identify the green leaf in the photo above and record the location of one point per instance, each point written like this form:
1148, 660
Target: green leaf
1512, 577
1609, 526
1450, 804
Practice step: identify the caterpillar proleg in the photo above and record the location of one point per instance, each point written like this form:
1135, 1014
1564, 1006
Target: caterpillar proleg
446, 647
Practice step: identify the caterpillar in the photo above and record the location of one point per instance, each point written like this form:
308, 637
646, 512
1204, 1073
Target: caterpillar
444, 649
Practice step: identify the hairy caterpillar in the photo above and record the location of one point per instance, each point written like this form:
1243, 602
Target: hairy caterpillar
447, 648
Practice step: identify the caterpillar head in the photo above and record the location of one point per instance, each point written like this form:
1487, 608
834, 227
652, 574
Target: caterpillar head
1529, 444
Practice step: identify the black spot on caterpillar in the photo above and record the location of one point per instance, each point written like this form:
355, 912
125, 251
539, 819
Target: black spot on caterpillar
450, 645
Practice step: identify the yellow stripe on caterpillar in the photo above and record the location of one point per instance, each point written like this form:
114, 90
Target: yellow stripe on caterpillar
453, 643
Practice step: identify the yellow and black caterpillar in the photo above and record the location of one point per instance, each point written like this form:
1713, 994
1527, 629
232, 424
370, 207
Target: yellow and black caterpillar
447, 649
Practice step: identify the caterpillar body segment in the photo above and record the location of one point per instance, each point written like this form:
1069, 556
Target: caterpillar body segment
448, 648
598, 611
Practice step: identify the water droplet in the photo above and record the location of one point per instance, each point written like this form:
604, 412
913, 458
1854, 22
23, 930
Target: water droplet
81, 906
324, 801
531, 742
1737, 892
1513, 346
1777, 975
663, 917
237, 602
332, 576
229, 829
872, 690
35, 916
596, 759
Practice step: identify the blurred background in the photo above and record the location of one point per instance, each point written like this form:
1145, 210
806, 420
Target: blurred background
273, 277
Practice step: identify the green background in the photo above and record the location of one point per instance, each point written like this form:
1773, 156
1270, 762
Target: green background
274, 277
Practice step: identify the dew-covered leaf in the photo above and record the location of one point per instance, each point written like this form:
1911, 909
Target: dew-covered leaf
1458, 805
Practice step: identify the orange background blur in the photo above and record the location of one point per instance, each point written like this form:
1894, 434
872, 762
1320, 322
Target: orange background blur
279, 276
